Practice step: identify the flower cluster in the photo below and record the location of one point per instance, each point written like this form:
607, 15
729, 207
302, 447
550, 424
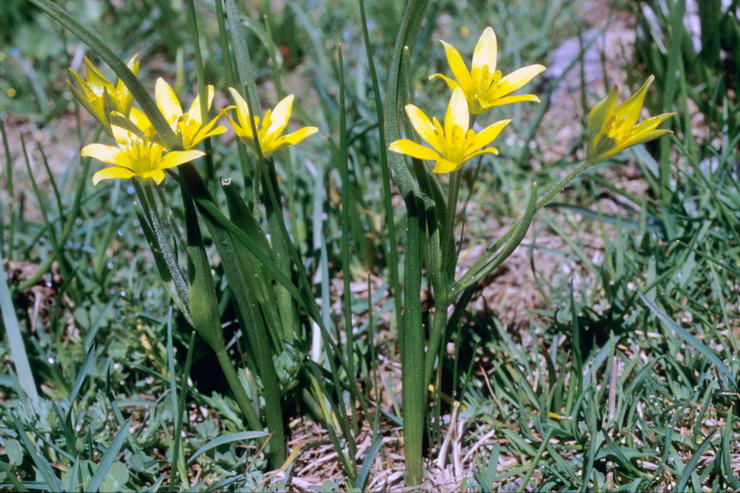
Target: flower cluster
612, 128
473, 92
139, 152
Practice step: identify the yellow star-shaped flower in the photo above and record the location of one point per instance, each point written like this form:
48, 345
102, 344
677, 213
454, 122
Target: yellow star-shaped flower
484, 86
99, 95
269, 128
613, 128
452, 144
135, 157
188, 125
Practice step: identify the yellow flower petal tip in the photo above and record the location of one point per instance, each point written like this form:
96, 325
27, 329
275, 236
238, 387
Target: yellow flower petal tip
450, 145
190, 126
134, 157
99, 95
613, 127
483, 85
270, 127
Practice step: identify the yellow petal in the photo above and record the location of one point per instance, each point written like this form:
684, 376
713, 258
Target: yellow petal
519, 98
167, 101
208, 131
242, 109
156, 175
202, 135
517, 79
411, 148
300, 134
102, 152
94, 76
238, 129
457, 65
487, 150
194, 111
176, 158
122, 135
643, 137
445, 166
133, 64
650, 124
423, 126
142, 122
600, 113
485, 50
457, 113
451, 83
630, 109
111, 172
487, 135
280, 116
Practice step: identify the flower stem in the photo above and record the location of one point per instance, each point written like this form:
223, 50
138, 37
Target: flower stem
236, 387
559, 186
412, 348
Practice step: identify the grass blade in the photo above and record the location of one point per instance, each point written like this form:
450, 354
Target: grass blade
702, 348
108, 458
228, 438
15, 340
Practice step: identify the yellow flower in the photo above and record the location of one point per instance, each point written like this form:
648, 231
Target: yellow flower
452, 145
189, 126
135, 157
612, 128
99, 95
484, 86
270, 127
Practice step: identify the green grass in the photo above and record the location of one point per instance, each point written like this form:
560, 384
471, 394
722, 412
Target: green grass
624, 375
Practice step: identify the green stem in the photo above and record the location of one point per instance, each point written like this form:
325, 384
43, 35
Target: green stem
412, 348
236, 387
551, 192
442, 299
559, 186
449, 251
278, 240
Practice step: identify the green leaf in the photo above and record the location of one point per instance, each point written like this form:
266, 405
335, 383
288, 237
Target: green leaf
109, 458
228, 438
362, 475
702, 348
15, 340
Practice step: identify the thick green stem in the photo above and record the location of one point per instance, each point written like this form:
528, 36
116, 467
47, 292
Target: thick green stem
280, 248
442, 299
236, 387
412, 348
559, 186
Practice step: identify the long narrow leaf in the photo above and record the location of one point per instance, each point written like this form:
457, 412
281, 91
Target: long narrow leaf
15, 340
108, 458
228, 438
699, 346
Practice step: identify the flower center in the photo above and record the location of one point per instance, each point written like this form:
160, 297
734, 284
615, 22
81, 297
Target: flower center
484, 81
143, 156
455, 145
617, 129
